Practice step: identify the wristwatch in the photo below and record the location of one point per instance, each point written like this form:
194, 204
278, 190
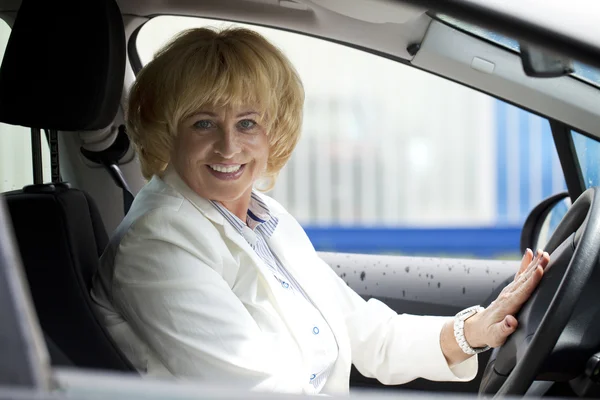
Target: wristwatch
459, 330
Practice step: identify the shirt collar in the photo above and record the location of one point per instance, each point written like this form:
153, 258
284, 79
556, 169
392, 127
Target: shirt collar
257, 210
258, 215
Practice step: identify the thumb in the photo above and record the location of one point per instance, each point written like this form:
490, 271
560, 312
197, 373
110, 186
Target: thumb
504, 329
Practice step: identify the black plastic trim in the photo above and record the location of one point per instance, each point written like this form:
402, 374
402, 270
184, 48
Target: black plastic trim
532, 225
563, 140
52, 135
36, 156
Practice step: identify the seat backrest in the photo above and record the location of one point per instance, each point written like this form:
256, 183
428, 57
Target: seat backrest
64, 65
63, 69
60, 236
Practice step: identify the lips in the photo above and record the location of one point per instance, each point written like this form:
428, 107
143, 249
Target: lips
226, 172
226, 168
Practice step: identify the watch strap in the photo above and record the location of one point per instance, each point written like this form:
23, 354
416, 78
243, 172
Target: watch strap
459, 330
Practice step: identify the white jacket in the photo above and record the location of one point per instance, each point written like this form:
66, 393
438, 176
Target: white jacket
184, 295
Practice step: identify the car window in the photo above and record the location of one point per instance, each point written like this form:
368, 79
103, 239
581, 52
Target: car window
16, 168
396, 160
587, 150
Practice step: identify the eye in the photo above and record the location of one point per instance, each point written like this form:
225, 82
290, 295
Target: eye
247, 124
203, 124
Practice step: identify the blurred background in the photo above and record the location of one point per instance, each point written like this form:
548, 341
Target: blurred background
392, 159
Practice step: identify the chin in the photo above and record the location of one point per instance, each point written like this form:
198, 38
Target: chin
227, 195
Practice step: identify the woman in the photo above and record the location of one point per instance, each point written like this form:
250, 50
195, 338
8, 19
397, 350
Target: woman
208, 278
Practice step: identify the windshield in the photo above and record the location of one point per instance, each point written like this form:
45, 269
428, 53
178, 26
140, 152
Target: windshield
582, 71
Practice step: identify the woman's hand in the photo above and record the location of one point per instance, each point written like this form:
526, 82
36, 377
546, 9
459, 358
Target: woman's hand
492, 326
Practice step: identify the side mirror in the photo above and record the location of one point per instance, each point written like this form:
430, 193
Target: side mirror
543, 220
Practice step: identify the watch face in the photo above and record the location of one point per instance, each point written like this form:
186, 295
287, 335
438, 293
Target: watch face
468, 312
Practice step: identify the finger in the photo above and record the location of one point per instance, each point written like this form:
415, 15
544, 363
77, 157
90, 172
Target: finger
535, 262
522, 277
504, 329
541, 262
524, 286
525, 261
527, 286
545, 260
510, 323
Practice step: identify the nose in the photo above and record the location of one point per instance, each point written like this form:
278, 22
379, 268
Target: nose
228, 144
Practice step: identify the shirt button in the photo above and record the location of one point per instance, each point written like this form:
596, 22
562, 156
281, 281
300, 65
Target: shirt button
316, 330
285, 284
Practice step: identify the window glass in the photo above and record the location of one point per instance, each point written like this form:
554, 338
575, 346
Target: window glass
587, 150
397, 160
16, 168
582, 71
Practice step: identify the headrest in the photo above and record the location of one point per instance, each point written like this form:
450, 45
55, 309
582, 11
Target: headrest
64, 65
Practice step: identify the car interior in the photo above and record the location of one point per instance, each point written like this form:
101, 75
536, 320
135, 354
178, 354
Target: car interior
65, 75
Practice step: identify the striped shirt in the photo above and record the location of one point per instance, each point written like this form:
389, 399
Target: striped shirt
318, 338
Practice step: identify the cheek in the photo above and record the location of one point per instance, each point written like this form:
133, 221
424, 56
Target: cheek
190, 148
263, 151
177, 150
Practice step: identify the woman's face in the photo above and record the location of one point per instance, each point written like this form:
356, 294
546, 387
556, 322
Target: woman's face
221, 152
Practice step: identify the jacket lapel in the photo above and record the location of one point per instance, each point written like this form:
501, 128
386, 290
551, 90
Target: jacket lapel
293, 260
173, 179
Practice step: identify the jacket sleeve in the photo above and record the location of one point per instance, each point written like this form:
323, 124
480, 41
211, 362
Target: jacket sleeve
397, 348
167, 285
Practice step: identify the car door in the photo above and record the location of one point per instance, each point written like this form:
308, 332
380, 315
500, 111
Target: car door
414, 188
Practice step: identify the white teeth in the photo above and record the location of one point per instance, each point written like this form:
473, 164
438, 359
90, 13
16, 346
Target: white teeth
227, 170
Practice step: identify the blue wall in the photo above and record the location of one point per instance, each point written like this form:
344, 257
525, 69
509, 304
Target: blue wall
547, 152
465, 242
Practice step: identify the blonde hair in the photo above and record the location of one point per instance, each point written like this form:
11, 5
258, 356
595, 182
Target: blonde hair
205, 67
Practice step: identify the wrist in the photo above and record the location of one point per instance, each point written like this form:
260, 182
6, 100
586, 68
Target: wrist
474, 332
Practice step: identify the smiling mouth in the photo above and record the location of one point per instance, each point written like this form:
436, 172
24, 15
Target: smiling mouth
226, 172
226, 168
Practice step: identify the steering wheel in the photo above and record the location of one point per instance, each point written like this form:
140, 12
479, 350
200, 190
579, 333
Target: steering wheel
574, 248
